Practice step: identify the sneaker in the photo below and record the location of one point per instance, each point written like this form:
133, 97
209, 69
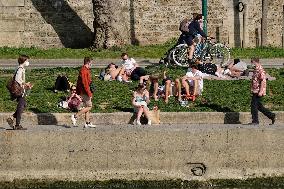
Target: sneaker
19, 127
227, 72
91, 125
10, 122
138, 122
73, 119
149, 122
119, 78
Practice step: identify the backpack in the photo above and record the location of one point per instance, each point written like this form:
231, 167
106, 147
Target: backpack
61, 83
15, 89
183, 26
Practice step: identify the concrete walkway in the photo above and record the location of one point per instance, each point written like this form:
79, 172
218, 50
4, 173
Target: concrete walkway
101, 63
124, 118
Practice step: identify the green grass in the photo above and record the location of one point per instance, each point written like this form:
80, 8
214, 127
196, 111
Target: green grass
150, 51
222, 96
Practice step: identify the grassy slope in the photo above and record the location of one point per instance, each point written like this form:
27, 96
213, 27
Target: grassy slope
224, 96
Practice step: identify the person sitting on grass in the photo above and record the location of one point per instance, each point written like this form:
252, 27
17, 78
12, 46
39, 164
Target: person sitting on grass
111, 72
157, 90
74, 101
62, 83
192, 83
130, 69
167, 89
140, 100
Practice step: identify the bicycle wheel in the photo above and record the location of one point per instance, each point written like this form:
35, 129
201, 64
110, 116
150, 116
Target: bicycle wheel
179, 55
198, 52
220, 54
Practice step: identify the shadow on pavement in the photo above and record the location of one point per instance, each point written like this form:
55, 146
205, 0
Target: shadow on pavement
46, 119
231, 117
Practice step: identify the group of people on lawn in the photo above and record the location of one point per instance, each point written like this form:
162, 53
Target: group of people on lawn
160, 85
187, 87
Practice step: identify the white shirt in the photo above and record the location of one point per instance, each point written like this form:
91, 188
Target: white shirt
20, 75
242, 66
129, 64
196, 74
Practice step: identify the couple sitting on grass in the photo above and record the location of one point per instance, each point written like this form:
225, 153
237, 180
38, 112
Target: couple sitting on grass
129, 69
187, 87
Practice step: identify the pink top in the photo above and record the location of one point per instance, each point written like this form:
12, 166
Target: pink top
258, 77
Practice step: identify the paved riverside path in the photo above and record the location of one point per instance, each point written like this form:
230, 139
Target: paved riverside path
101, 63
125, 127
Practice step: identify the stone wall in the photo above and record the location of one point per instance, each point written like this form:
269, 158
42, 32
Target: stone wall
148, 21
46, 23
74, 23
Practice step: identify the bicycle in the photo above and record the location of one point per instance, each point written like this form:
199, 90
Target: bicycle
217, 53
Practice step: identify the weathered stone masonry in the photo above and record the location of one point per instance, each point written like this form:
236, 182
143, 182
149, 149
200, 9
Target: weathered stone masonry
104, 23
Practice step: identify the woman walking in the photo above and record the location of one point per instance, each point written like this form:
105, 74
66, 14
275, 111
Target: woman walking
19, 77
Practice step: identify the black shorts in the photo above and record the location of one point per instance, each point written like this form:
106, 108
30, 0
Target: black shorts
188, 39
166, 79
137, 73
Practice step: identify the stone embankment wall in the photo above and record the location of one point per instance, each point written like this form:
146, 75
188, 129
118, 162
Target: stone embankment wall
75, 23
189, 152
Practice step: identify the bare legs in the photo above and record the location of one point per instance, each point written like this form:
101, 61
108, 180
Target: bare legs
191, 51
142, 110
85, 111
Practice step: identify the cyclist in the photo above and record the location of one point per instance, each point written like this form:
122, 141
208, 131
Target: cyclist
193, 30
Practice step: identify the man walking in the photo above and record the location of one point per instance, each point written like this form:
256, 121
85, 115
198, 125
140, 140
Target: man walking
258, 89
83, 89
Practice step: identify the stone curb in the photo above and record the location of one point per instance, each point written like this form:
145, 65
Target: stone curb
63, 119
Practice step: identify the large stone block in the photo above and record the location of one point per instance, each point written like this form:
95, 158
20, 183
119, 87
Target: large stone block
10, 39
12, 25
12, 3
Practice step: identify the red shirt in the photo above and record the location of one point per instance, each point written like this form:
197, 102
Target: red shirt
84, 81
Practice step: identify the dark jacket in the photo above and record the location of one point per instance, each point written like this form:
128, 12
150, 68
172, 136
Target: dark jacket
194, 29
